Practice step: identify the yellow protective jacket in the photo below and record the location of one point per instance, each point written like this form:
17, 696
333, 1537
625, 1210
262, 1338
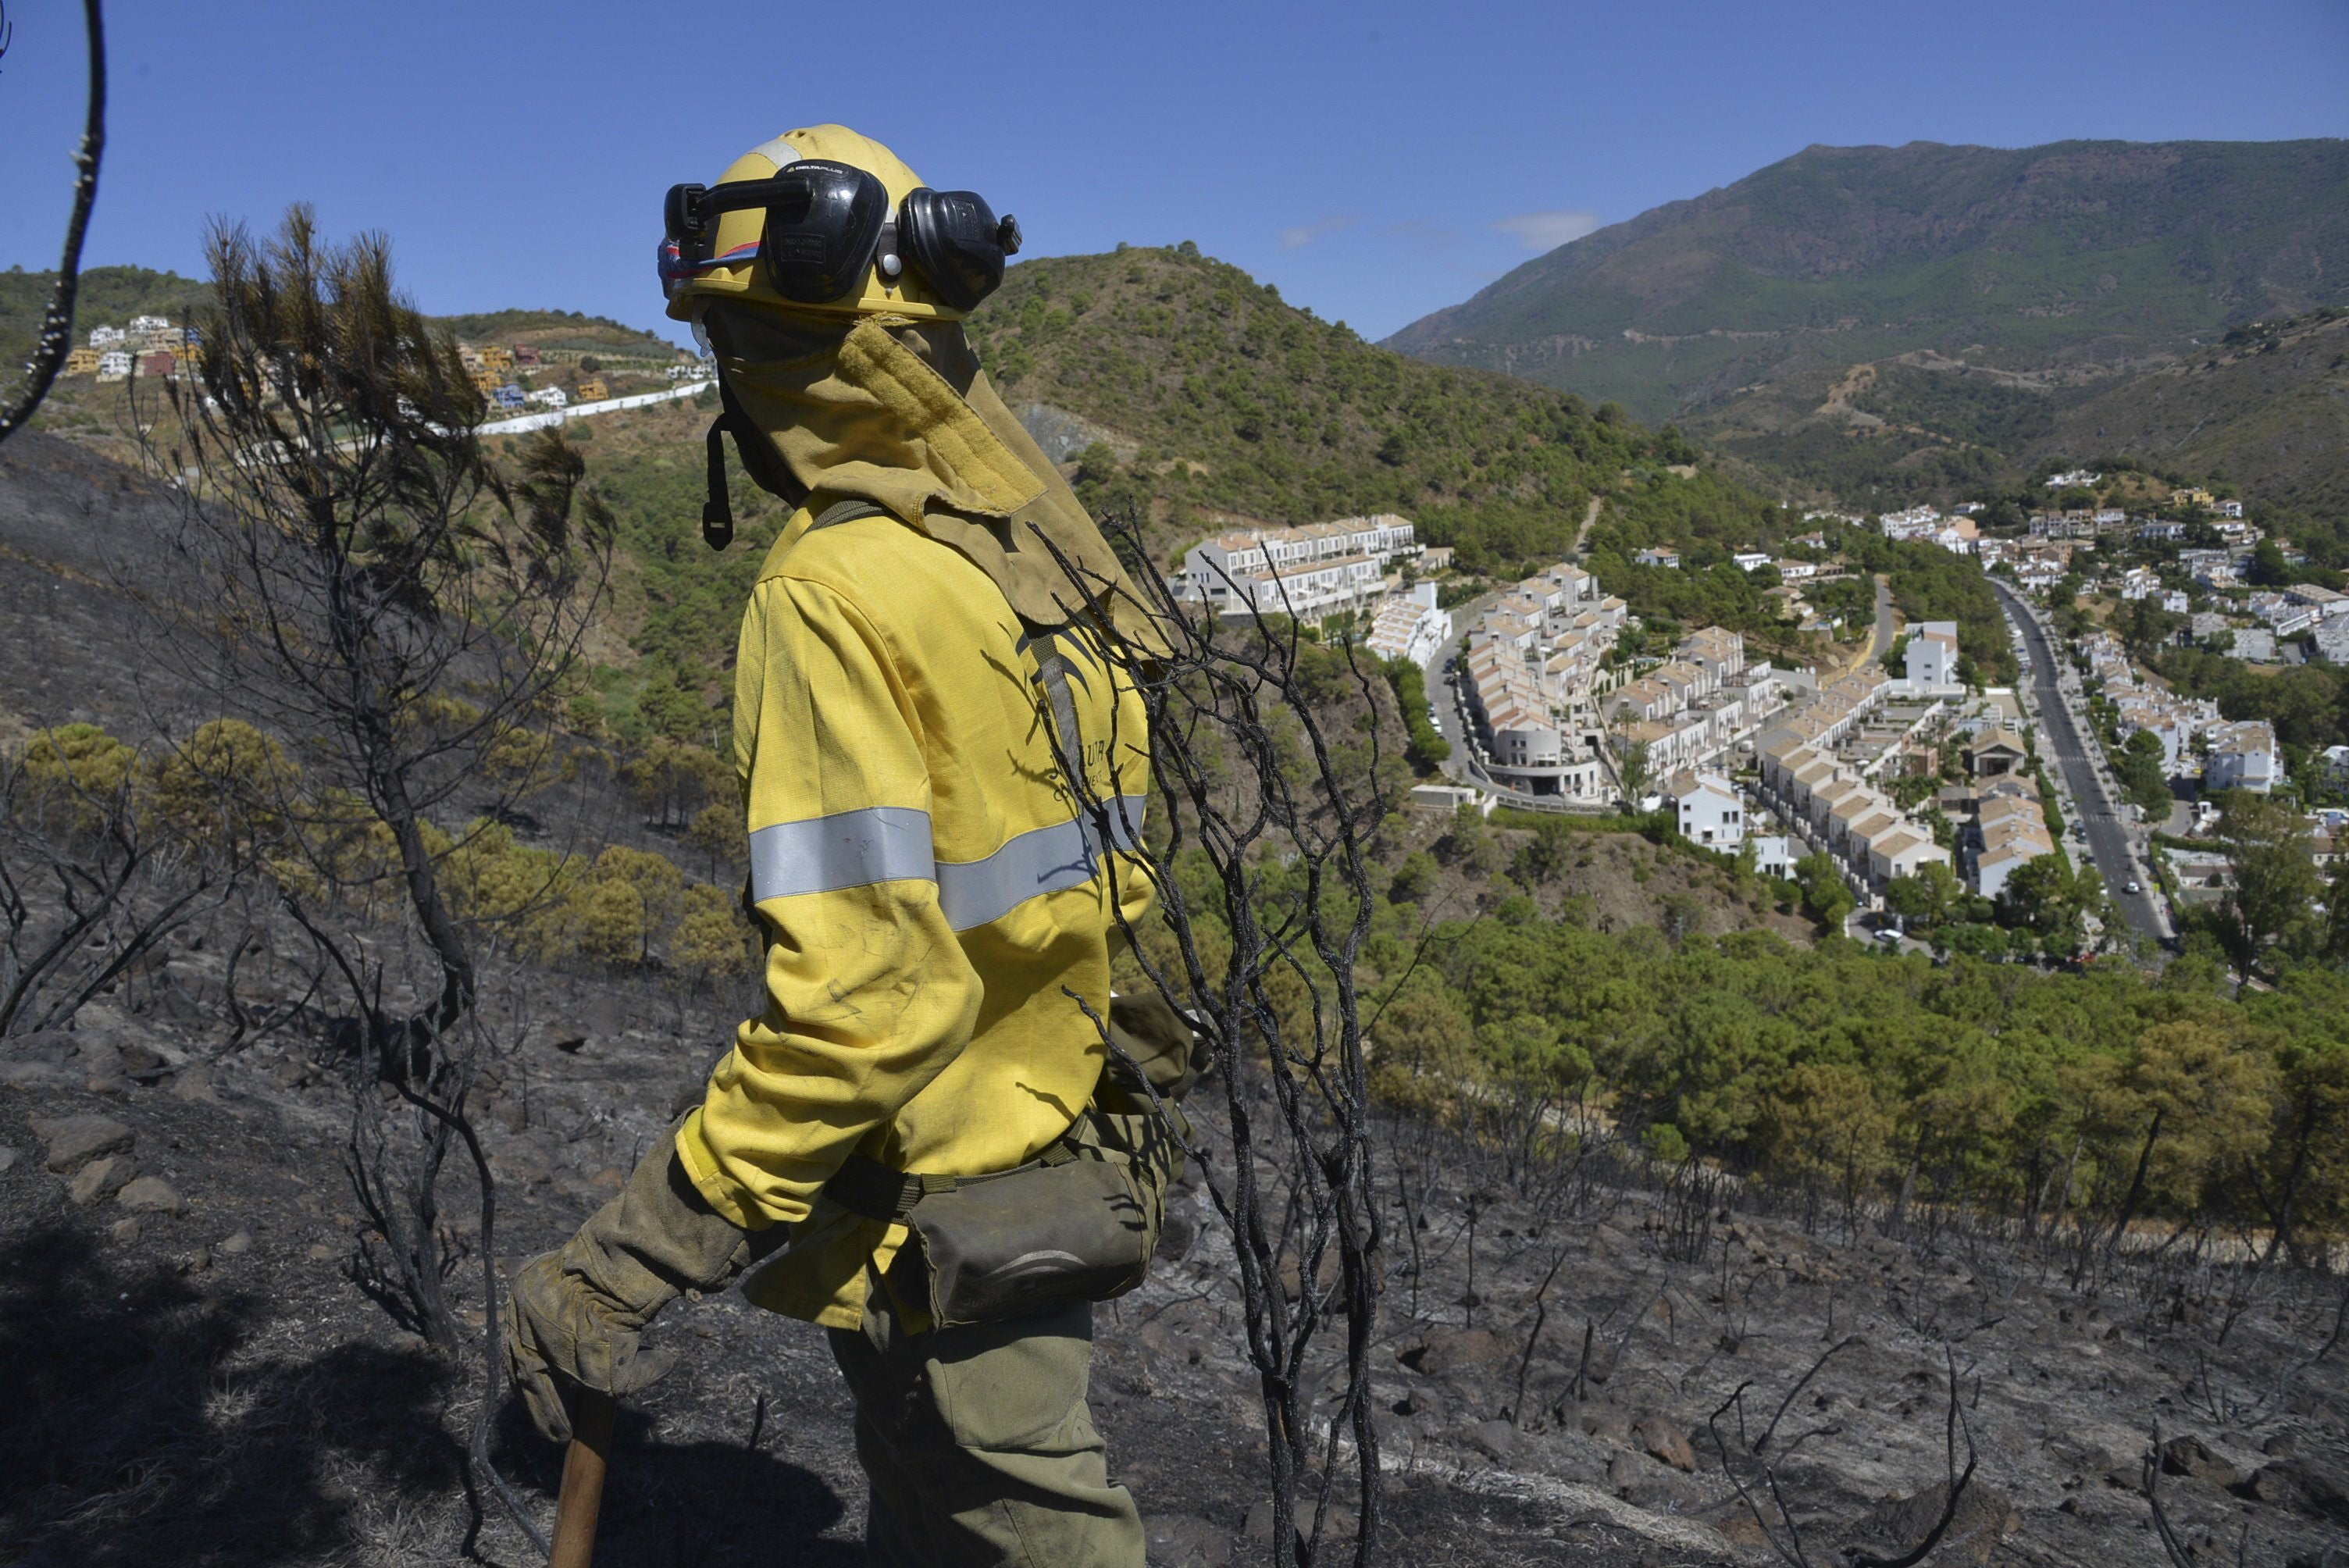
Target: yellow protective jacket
926, 884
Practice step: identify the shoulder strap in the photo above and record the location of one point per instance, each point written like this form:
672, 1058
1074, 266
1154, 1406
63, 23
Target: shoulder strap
847, 511
1055, 668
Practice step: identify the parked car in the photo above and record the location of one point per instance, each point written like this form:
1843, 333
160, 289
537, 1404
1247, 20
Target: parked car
2132, 885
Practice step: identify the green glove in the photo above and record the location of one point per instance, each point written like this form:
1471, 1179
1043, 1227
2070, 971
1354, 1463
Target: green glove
580, 1311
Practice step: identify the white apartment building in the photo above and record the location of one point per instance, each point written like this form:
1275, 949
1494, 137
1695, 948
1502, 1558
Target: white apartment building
114, 365
2242, 757
1706, 807
2010, 830
1410, 626
1929, 663
1304, 572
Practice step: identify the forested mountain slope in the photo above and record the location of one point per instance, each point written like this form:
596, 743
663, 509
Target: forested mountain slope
2268, 407
2077, 253
1211, 397
1885, 323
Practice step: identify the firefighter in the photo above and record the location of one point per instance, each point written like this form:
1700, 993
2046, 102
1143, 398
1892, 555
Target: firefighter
945, 773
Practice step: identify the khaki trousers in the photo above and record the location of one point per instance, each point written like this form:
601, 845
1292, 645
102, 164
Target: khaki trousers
979, 1445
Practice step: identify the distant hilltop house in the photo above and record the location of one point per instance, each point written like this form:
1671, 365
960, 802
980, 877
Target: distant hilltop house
2076, 479
114, 365
507, 397
145, 326
2196, 496
593, 390
1751, 559
1658, 556
525, 354
80, 362
550, 398
1924, 524
103, 337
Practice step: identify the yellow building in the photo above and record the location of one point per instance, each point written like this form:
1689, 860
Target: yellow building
486, 381
80, 362
2190, 497
592, 390
496, 358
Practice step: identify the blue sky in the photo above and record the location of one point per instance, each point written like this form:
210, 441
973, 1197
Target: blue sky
1375, 160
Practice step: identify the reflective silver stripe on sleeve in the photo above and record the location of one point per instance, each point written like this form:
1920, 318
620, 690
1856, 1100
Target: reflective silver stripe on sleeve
848, 849
1044, 860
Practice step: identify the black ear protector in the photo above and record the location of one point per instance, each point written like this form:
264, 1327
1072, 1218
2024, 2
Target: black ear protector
827, 222
952, 237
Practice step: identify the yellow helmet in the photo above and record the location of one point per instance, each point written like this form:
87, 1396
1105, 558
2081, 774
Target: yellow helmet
825, 220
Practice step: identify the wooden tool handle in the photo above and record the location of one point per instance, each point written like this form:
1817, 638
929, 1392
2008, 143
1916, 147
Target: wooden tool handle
582, 1481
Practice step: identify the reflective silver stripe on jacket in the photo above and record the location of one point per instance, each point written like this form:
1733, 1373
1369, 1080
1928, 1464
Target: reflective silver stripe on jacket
848, 849
892, 843
1041, 861
1124, 813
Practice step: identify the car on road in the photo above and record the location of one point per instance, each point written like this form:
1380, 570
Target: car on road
2132, 885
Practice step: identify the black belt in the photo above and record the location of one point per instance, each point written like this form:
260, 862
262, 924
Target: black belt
865, 1186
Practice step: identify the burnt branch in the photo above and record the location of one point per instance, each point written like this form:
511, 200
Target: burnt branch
1262, 776
56, 320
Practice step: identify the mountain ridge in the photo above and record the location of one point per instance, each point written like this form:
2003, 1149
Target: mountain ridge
2110, 252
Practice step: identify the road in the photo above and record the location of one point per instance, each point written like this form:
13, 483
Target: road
2108, 832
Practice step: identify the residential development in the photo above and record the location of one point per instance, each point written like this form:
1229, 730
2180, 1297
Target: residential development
1307, 574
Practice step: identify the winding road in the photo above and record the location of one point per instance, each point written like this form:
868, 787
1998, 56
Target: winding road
2108, 834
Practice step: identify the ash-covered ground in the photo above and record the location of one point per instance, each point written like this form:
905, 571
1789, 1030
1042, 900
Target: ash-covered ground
196, 1379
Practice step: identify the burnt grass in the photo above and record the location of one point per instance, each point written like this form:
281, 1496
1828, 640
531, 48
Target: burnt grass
214, 1387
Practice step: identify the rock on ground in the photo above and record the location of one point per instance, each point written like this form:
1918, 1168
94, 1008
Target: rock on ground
69, 1142
103, 1178
153, 1196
